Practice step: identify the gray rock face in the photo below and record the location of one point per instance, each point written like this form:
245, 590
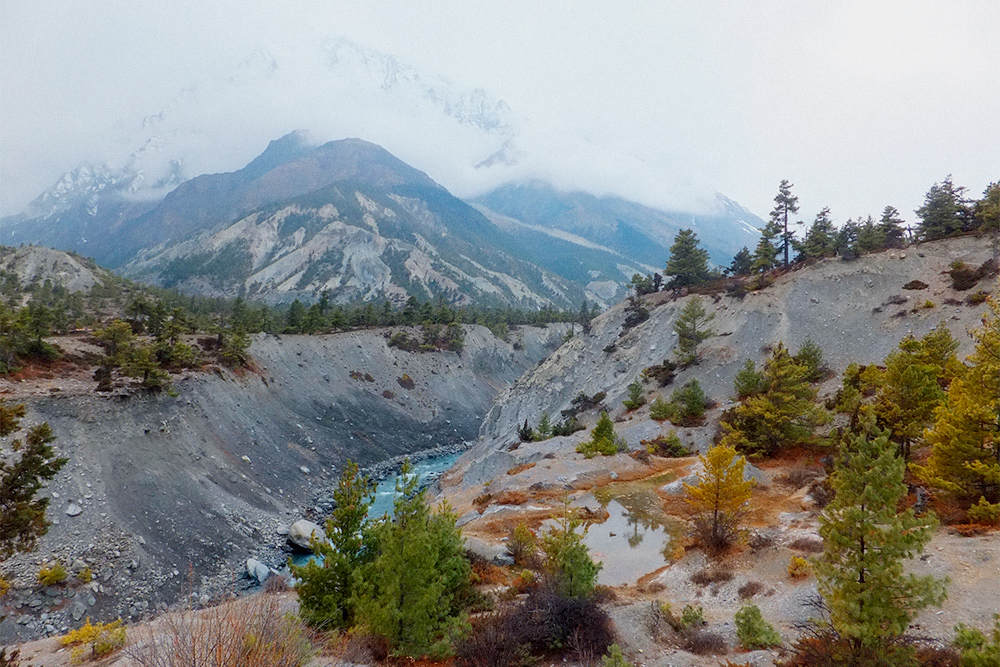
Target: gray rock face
302, 531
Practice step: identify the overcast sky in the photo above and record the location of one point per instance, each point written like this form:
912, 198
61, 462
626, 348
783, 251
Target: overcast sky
859, 104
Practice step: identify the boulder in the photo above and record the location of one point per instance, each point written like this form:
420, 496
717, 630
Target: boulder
257, 570
491, 553
300, 532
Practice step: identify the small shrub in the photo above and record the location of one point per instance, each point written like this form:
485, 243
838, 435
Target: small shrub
663, 373
977, 298
978, 649
810, 357
807, 545
635, 399
642, 456
928, 304
984, 512
753, 631
711, 576
50, 576
501, 639
798, 568
275, 584
85, 576
913, 285
661, 410
388, 394
103, 639
614, 658
705, 643
668, 445
406, 382
691, 403
692, 616
482, 501
749, 589
603, 439
964, 276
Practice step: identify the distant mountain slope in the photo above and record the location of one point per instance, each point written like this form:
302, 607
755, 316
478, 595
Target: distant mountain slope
640, 233
349, 217
35, 264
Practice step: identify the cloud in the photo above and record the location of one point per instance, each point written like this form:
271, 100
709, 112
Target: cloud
860, 104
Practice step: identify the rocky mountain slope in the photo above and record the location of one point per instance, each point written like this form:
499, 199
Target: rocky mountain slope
164, 495
638, 232
350, 218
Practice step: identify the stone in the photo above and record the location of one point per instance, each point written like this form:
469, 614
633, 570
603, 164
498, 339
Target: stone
468, 517
77, 610
300, 532
257, 570
74, 510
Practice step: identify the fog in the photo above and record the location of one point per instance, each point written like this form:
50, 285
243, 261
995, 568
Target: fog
859, 104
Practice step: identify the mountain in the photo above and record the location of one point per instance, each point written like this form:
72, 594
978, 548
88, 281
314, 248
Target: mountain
640, 233
351, 218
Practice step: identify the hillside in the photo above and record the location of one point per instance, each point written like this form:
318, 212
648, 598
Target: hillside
160, 489
638, 522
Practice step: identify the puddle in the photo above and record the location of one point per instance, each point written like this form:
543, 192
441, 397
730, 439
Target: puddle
636, 539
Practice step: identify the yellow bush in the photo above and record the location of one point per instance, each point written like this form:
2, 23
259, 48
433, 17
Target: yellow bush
5, 586
798, 568
49, 576
103, 639
85, 576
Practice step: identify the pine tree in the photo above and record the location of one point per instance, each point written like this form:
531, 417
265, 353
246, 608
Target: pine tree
784, 204
783, 413
847, 239
944, 211
865, 543
820, 240
965, 437
749, 381
22, 473
908, 395
636, 396
568, 565
870, 237
721, 497
688, 262
327, 585
765, 254
603, 439
892, 229
413, 593
742, 263
988, 215
690, 327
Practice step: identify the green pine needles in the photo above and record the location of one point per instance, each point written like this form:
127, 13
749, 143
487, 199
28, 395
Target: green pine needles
405, 579
414, 592
866, 543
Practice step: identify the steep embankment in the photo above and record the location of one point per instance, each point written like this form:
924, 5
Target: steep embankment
856, 311
158, 487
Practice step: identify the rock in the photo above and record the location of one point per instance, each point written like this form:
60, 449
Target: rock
489, 552
613, 475
300, 532
77, 610
74, 510
282, 530
257, 570
468, 517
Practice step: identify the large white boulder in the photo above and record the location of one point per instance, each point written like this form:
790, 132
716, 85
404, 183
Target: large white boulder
300, 532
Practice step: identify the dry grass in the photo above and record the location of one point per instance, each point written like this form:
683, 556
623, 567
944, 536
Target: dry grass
807, 545
250, 632
512, 498
521, 468
711, 576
